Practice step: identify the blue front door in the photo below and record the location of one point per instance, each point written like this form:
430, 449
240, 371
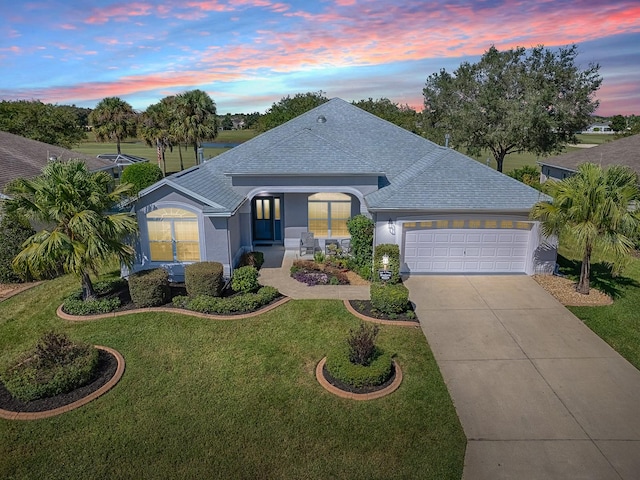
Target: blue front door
267, 219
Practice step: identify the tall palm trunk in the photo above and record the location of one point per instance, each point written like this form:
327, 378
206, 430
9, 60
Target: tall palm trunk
585, 272
180, 153
88, 293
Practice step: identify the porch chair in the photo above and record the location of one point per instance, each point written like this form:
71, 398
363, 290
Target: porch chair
307, 243
345, 246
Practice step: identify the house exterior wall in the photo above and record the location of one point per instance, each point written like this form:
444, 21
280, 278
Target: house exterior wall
213, 234
556, 173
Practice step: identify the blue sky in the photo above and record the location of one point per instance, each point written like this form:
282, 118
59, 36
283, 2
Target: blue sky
248, 54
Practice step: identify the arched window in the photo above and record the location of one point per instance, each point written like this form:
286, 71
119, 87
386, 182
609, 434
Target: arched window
173, 235
328, 214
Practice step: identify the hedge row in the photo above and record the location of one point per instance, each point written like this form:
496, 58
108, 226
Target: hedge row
241, 303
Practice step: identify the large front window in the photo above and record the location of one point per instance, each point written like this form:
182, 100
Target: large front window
173, 235
328, 214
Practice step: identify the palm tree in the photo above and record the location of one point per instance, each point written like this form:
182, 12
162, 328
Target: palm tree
82, 231
113, 119
195, 118
595, 207
155, 128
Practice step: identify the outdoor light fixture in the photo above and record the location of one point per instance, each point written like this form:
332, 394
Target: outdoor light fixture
385, 262
392, 228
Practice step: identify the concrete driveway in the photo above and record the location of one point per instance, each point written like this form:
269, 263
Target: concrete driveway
539, 395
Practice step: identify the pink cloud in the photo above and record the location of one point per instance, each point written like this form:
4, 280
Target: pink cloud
119, 12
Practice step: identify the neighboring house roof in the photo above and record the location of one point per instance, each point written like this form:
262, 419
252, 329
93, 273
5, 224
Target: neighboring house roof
122, 159
22, 157
625, 151
338, 138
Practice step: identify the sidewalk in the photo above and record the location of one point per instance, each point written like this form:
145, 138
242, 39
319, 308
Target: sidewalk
275, 272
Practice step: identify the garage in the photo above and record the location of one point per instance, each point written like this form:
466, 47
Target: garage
428, 249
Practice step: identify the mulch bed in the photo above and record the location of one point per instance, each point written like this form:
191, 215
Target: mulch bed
348, 388
364, 307
107, 365
564, 290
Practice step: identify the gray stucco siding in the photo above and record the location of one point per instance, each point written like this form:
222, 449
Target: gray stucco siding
212, 232
166, 194
368, 183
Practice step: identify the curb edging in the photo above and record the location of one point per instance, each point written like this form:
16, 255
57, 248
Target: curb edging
11, 415
358, 396
181, 311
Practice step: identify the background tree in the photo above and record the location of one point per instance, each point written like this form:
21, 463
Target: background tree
80, 235
14, 231
512, 101
141, 175
113, 120
402, 115
155, 128
593, 207
251, 120
56, 125
527, 174
290, 107
618, 123
194, 119
227, 122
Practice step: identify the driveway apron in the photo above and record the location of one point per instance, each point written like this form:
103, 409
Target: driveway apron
539, 395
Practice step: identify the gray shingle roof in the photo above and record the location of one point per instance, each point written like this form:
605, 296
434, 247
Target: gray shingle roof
22, 157
625, 151
340, 139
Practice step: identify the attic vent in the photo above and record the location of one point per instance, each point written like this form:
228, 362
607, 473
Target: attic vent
322, 119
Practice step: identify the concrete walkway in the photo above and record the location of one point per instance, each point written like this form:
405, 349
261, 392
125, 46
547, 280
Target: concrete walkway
276, 273
539, 395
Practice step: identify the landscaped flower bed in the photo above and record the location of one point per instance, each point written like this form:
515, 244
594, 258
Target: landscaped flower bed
313, 273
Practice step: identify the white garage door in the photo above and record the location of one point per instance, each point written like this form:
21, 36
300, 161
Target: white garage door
466, 251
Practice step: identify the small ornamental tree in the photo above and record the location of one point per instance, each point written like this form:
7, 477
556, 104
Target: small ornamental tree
362, 344
141, 175
361, 231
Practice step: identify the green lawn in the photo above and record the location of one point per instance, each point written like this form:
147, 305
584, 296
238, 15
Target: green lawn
140, 148
230, 399
617, 324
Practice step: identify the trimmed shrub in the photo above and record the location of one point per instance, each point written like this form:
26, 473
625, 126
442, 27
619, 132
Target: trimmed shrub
56, 365
74, 305
149, 288
204, 278
393, 252
389, 298
376, 373
252, 259
242, 303
361, 230
142, 175
245, 279
13, 233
